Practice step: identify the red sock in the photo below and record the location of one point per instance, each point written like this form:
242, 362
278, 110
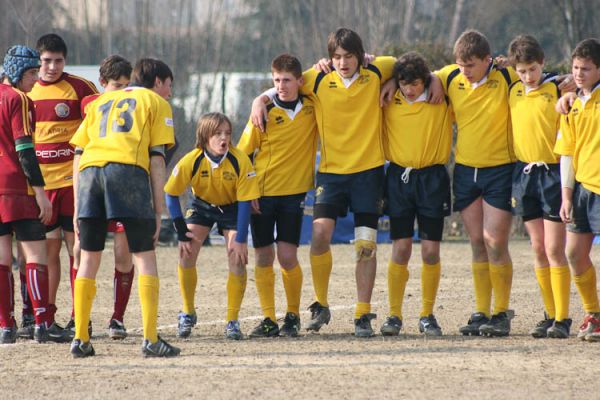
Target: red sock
73, 276
37, 286
27, 306
7, 297
122, 287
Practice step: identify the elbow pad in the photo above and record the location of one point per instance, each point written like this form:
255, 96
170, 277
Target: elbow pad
29, 162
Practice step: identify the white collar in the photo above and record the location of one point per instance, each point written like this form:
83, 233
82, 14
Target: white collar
421, 99
585, 97
291, 113
213, 164
348, 81
484, 79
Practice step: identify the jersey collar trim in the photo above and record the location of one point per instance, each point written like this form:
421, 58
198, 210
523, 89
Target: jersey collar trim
485, 77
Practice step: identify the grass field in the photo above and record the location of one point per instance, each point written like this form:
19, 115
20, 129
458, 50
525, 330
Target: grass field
331, 364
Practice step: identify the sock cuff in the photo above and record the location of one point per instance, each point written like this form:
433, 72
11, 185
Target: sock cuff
292, 271
238, 278
5, 268
560, 269
500, 267
586, 276
83, 280
436, 265
264, 272
321, 258
394, 266
147, 280
480, 266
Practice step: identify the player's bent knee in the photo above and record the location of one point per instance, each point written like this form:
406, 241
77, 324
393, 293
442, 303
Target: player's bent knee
365, 243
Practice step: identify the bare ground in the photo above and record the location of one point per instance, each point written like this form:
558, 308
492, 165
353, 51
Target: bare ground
331, 364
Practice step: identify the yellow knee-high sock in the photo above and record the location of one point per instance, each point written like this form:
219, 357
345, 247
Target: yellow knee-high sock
501, 278
148, 288
236, 287
546, 287
483, 287
321, 270
430, 281
362, 309
265, 286
586, 286
84, 292
292, 283
560, 278
397, 278
188, 278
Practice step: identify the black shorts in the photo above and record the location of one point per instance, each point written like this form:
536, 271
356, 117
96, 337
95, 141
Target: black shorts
586, 211
283, 212
424, 191
429, 228
115, 191
202, 213
26, 230
494, 184
537, 193
139, 233
362, 192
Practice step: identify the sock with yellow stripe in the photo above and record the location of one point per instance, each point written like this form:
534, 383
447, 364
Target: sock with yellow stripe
560, 278
586, 286
397, 278
483, 287
546, 287
265, 286
362, 309
292, 282
321, 270
84, 291
236, 287
188, 278
501, 278
148, 288
430, 281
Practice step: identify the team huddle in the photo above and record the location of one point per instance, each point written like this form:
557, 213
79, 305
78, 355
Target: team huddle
78, 164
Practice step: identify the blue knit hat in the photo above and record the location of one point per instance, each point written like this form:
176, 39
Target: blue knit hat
19, 59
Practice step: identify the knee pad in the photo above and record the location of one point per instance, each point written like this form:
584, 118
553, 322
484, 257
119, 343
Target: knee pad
365, 242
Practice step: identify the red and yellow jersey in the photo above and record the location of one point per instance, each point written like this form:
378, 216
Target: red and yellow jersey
122, 126
58, 115
85, 103
417, 134
284, 155
18, 120
349, 118
579, 137
233, 179
482, 116
534, 120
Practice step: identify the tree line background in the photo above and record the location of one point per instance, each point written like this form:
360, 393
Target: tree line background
232, 36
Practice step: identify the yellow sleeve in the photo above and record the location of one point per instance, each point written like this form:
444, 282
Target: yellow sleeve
181, 176
163, 132
444, 73
565, 144
80, 138
250, 139
385, 64
513, 74
309, 76
247, 184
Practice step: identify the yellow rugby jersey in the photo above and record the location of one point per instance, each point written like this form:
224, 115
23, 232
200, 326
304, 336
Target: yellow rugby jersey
57, 108
417, 135
579, 137
233, 179
482, 116
122, 126
284, 155
534, 120
349, 119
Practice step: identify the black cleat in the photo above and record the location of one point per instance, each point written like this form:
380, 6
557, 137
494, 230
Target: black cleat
472, 328
541, 328
266, 328
8, 335
391, 326
58, 334
116, 330
319, 316
27, 327
560, 329
40, 333
498, 326
81, 349
160, 348
71, 327
429, 326
362, 326
291, 325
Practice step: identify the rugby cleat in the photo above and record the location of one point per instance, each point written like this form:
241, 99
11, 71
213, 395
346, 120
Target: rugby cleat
8, 335
81, 349
472, 328
561, 329
233, 331
27, 327
541, 328
266, 328
71, 327
429, 326
391, 326
362, 326
319, 316
590, 323
498, 325
58, 334
291, 325
116, 330
185, 323
40, 333
160, 348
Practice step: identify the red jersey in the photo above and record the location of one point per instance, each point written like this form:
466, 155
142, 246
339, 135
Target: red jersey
58, 115
17, 120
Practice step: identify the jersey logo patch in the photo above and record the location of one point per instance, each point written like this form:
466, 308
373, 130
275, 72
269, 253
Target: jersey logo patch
251, 174
204, 174
308, 109
62, 110
363, 79
279, 120
169, 122
189, 213
547, 97
228, 176
492, 84
332, 85
461, 86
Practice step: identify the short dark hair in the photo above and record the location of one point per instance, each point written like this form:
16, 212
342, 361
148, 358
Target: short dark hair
146, 71
287, 63
348, 40
526, 50
588, 49
410, 67
471, 43
53, 43
114, 67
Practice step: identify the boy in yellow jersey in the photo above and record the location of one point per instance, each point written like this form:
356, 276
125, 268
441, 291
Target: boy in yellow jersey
119, 175
350, 172
223, 183
417, 139
284, 159
536, 180
57, 97
579, 147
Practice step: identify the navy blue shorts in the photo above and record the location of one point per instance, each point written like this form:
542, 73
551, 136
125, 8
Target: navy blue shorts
282, 212
586, 211
425, 192
494, 184
361, 192
202, 213
536, 194
114, 191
